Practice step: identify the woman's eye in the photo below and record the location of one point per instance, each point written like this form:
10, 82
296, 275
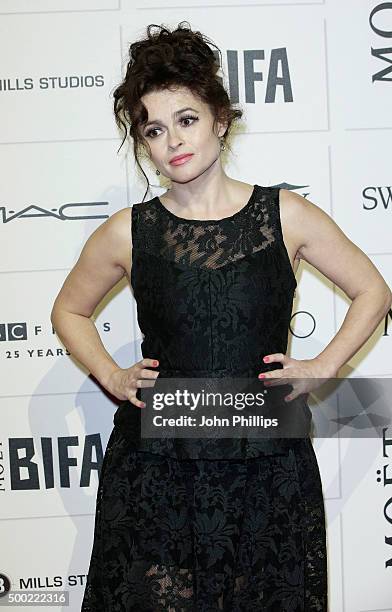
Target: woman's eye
189, 117
150, 134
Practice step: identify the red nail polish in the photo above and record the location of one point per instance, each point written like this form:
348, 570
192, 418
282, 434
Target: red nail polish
261, 375
265, 359
155, 362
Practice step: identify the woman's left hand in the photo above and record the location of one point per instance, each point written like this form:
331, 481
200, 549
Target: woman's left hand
303, 375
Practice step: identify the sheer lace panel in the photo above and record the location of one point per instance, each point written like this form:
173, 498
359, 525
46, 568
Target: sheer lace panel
277, 560
171, 586
174, 585
204, 243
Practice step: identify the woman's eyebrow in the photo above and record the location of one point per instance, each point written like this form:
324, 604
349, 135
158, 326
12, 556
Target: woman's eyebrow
175, 114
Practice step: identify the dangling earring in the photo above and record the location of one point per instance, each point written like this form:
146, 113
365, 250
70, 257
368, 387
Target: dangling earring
157, 171
222, 145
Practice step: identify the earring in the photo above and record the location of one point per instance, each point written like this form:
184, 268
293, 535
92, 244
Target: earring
222, 144
157, 172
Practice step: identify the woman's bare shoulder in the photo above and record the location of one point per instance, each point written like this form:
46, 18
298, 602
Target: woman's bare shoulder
323, 244
103, 261
119, 232
120, 222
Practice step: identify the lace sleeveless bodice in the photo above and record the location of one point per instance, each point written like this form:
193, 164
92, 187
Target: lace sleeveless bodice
210, 244
213, 297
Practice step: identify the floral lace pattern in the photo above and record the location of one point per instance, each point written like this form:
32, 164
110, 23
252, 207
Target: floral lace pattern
206, 243
207, 535
232, 525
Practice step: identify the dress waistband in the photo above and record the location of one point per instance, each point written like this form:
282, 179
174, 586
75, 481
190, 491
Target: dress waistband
251, 371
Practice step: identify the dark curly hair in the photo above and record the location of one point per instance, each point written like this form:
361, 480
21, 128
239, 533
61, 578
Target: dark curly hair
164, 59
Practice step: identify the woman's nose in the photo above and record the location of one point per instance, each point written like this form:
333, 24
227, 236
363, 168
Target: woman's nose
174, 139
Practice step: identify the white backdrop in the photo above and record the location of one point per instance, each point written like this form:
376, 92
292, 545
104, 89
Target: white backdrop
314, 80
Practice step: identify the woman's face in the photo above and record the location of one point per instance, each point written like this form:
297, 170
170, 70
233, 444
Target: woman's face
180, 123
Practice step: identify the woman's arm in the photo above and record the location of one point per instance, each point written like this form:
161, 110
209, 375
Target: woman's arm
323, 244
101, 265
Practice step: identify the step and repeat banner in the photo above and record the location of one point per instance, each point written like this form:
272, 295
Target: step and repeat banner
314, 81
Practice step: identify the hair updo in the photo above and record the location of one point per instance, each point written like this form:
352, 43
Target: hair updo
164, 59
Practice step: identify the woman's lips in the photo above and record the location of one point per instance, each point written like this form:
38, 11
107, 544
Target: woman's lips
182, 160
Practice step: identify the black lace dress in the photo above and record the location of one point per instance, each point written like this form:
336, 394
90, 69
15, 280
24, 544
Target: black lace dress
188, 524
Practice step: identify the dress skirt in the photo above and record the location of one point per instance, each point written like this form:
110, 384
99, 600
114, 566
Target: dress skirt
208, 535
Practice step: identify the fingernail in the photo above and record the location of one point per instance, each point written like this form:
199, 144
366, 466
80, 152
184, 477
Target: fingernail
265, 359
261, 375
155, 362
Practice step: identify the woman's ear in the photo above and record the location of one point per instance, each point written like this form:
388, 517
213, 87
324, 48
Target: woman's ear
222, 128
219, 127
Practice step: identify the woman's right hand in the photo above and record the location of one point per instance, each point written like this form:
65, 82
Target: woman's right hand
124, 383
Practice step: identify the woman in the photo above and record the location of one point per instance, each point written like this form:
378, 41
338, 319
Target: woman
207, 524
